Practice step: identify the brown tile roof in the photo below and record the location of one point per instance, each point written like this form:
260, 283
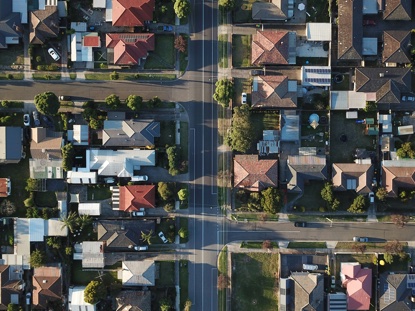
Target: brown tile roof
272, 91
396, 46
132, 198
132, 13
133, 300
395, 177
270, 47
7, 287
47, 286
361, 174
397, 10
45, 144
4, 187
130, 47
44, 24
350, 29
253, 174
305, 168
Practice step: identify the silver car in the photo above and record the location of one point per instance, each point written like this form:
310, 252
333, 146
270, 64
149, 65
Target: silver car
162, 237
53, 54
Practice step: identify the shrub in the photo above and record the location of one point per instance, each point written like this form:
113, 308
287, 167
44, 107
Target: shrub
114, 75
104, 66
9, 76
38, 58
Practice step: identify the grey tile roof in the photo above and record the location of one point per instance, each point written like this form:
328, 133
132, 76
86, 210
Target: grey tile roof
350, 29
134, 133
133, 300
303, 168
308, 291
396, 46
274, 10
44, 24
138, 273
393, 293
397, 10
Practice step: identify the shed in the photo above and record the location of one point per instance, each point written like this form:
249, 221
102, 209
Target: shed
351, 114
91, 209
74, 177
77, 300
405, 130
318, 31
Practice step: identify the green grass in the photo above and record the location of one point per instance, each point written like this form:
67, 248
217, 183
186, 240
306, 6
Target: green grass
46, 76
166, 278
223, 50
46, 199
97, 194
263, 120
254, 217
307, 245
167, 130
369, 245
184, 142
241, 50
256, 245
12, 55
223, 269
183, 281
397, 265
366, 260
322, 218
184, 223
254, 281
183, 61
243, 11
81, 276
311, 199
163, 56
15, 76
156, 76
240, 85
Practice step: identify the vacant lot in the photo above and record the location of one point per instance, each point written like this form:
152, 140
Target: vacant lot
164, 53
241, 51
254, 280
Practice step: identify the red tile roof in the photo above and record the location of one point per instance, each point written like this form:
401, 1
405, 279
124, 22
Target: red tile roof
130, 47
132, 198
4, 187
270, 47
132, 13
358, 284
47, 286
272, 91
92, 41
253, 174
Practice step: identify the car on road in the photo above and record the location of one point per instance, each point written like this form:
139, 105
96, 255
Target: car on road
53, 54
36, 118
141, 248
369, 22
26, 119
244, 97
48, 121
167, 28
162, 237
300, 224
360, 239
257, 72
138, 213
64, 97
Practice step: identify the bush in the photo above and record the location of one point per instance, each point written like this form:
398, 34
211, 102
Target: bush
29, 202
169, 207
9, 76
104, 66
38, 58
114, 75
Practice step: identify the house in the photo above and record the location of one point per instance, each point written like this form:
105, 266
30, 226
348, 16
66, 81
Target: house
132, 13
358, 284
394, 10
302, 291
10, 24
133, 300
123, 235
396, 46
5, 187
46, 144
133, 198
138, 273
303, 168
350, 30
44, 24
77, 300
352, 176
275, 10
398, 175
271, 47
254, 174
47, 286
274, 92
82, 44
11, 147
131, 133
385, 86
46, 169
11, 285
395, 292
129, 49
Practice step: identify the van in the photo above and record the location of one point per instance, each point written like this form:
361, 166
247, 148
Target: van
310, 267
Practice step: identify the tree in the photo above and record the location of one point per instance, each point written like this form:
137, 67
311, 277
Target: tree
180, 44
68, 251
29, 202
183, 194
187, 305
70, 221
226, 5
370, 106
165, 304
114, 75
37, 258
406, 151
169, 207
182, 8
94, 292
183, 233
358, 205
394, 247
146, 237
134, 102
165, 191
327, 194
83, 221
388, 258
31, 212
254, 202
381, 194
13, 307
223, 92
113, 101
67, 156
31, 184
173, 157
241, 135
267, 244
7, 207
54, 242
154, 102
271, 200
399, 220
95, 124
47, 103
223, 281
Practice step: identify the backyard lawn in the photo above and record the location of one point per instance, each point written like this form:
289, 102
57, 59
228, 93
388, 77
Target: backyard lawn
166, 277
263, 120
241, 50
260, 270
99, 193
164, 53
83, 277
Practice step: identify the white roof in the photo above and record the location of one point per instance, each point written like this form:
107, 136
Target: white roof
36, 229
316, 75
108, 11
77, 300
92, 209
63, 208
93, 254
318, 31
74, 177
405, 130
20, 6
54, 227
99, 4
345, 100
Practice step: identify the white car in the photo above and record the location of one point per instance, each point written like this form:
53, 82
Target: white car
244, 98
139, 178
26, 119
162, 237
53, 54
141, 248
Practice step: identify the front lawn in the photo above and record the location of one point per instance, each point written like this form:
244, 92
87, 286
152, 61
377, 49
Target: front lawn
166, 270
366, 260
256, 245
241, 50
254, 217
184, 142
98, 193
167, 137
183, 281
163, 56
254, 278
223, 50
184, 223
13, 55
307, 245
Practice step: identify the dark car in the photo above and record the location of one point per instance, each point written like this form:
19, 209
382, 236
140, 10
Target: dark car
36, 118
369, 22
257, 72
300, 224
167, 28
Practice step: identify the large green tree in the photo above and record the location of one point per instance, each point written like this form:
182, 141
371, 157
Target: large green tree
173, 158
94, 292
37, 258
13, 307
113, 101
70, 221
406, 151
134, 102
165, 191
226, 5
240, 136
271, 200
182, 8
223, 92
47, 103
381, 194
183, 194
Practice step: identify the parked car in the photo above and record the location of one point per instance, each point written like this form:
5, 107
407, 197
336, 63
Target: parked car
244, 98
162, 237
141, 248
371, 197
369, 22
300, 224
64, 97
257, 72
411, 98
28, 297
360, 239
109, 180
167, 28
53, 54
36, 118
138, 214
48, 121
26, 119
139, 178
